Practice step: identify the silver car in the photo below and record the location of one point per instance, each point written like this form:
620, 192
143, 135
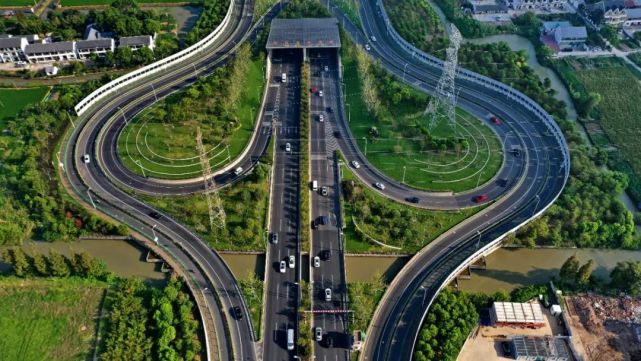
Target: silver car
319, 334
283, 266
316, 261
328, 294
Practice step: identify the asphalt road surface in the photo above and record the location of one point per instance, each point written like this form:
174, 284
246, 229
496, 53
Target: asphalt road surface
327, 243
282, 288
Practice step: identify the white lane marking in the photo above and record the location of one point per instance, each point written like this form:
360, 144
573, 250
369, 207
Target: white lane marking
277, 291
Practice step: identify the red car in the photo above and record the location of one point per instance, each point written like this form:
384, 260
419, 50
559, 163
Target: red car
495, 120
313, 90
481, 198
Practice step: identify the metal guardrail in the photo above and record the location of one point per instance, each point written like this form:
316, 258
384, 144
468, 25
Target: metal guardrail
160, 65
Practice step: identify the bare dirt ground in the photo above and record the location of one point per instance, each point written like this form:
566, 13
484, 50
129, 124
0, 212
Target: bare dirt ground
605, 328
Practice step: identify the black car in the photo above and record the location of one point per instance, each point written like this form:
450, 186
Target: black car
516, 152
506, 348
236, 312
337, 134
155, 215
325, 254
330, 109
413, 199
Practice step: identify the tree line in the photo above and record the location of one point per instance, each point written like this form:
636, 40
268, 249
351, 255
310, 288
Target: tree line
80, 264
624, 277
31, 204
147, 323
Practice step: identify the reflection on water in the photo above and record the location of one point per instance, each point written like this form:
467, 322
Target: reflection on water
516, 43
508, 268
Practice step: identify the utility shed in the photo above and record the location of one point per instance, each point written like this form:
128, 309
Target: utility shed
304, 34
528, 348
517, 314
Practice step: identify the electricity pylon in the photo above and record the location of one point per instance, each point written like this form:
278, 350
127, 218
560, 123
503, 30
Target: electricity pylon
443, 103
214, 203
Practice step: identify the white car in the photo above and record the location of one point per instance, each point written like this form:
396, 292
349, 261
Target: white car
316, 261
86, 159
356, 164
328, 294
326, 68
288, 147
321, 118
238, 170
292, 261
320, 93
380, 186
367, 47
283, 266
318, 332
373, 38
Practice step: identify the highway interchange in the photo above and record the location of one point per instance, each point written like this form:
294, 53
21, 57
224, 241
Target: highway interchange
534, 181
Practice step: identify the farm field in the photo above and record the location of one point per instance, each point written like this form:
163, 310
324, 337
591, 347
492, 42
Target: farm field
14, 100
48, 319
405, 154
107, 2
9, 3
168, 150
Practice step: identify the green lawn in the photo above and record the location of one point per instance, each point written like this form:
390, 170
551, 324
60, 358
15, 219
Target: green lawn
108, 2
398, 150
48, 319
18, 3
12, 101
395, 224
168, 150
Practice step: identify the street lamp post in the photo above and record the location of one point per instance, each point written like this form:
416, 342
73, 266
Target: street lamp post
404, 169
70, 120
478, 241
142, 169
349, 113
479, 180
405, 67
536, 206
123, 115
154, 89
91, 199
365, 139
153, 231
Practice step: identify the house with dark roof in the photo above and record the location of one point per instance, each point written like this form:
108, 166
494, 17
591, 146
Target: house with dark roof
12, 49
47, 52
99, 46
137, 42
571, 37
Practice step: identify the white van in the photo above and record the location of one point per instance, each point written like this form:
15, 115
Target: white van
290, 339
315, 185
283, 78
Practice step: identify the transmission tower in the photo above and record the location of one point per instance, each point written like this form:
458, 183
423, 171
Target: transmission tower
443, 103
214, 203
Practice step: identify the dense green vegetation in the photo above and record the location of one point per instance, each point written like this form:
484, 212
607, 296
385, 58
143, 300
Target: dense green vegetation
252, 289
224, 105
467, 25
54, 264
588, 212
31, 204
245, 204
213, 13
304, 9
147, 323
449, 321
606, 91
107, 2
386, 119
370, 215
48, 318
304, 163
626, 277
418, 23
364, 297
12, 101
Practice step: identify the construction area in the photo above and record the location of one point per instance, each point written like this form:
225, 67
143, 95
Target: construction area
605, 328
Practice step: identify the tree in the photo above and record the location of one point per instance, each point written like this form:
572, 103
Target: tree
584, 273
40, 264
569, 269
586, 105
58, 264
20, 262
626, 276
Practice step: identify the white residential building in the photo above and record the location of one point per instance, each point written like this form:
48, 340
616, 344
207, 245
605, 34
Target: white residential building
48, 52
12, 49
632, 17
137, 42
535, 4
98, 46
614, 17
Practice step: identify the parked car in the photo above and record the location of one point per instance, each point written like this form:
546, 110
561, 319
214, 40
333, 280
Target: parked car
328, 294
283, 266
380, 185
356, 164
481, 198
316, 261
292, 261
